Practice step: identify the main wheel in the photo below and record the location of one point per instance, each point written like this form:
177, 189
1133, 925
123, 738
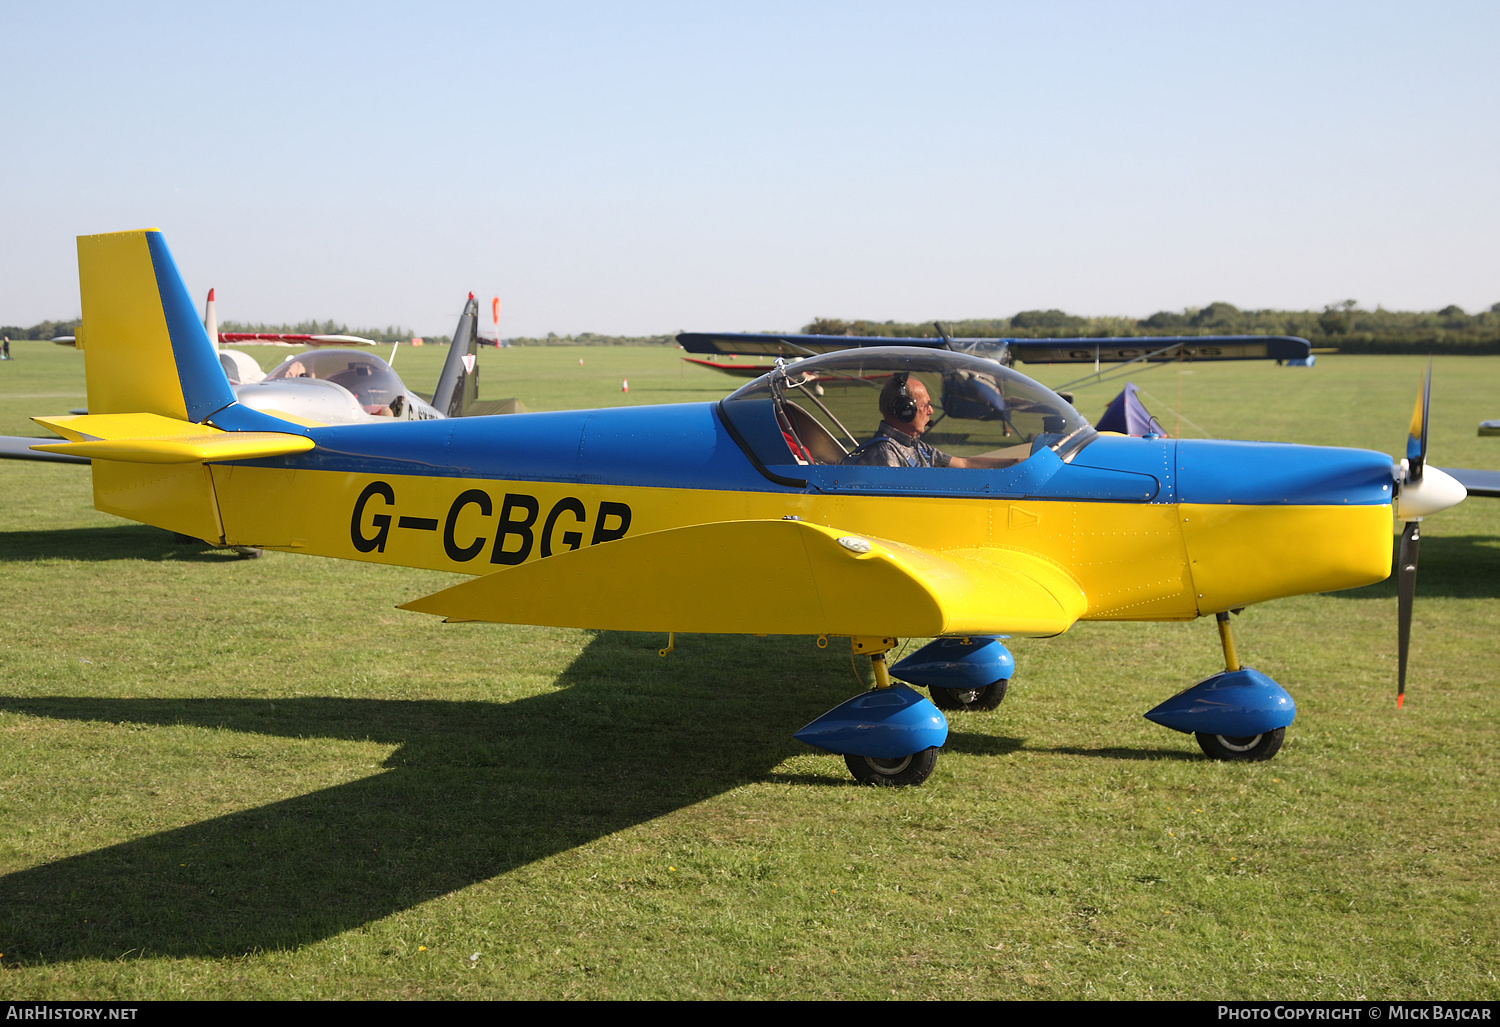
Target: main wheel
1251, 747
986, 698
908, 770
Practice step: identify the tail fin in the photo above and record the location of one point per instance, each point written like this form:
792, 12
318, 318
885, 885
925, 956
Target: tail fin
458, 385
143, 346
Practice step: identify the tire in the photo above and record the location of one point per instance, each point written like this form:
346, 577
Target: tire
986, 698
906, 771
247, 552
1252, 748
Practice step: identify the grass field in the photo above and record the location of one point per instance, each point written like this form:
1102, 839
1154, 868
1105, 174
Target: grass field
225, 778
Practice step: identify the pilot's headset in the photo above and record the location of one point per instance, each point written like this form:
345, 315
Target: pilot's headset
903, 407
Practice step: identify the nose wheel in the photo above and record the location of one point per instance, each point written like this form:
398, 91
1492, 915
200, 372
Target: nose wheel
907, 770
1250, 748
973, 699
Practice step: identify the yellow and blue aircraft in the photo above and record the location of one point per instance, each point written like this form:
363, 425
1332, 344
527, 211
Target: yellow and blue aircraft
760, 514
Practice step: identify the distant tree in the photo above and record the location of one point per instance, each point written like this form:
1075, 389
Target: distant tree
1454, 318
1048, 322
827, 326
1221, 318
1167, 322
1338, 318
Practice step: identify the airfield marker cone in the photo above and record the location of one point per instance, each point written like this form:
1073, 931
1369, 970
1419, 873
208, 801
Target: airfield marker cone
624, 384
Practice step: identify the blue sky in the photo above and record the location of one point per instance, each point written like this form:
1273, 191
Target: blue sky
654, 167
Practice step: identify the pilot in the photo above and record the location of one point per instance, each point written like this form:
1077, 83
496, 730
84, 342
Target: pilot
905, 409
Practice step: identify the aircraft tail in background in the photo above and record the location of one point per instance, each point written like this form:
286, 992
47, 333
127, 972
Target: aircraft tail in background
458, 385
211, 319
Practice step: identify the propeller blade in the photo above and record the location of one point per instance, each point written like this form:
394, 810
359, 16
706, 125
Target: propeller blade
1416, 434
1406, 594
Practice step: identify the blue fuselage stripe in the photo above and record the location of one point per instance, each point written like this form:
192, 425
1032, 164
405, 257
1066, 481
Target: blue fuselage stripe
686, 446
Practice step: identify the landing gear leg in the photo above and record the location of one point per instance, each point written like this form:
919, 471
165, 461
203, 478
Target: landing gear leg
1237, 715
889, 735
1226, 639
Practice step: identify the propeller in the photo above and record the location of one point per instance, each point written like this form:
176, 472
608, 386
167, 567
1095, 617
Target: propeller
1421, 490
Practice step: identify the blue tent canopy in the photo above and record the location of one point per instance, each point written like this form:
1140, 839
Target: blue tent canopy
1126, 415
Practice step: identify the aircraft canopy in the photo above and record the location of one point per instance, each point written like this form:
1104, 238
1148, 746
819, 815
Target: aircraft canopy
369, 378
819, 410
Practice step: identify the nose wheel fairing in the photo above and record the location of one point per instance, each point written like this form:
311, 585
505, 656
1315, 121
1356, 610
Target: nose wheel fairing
1234, 703
963, 664
884, 723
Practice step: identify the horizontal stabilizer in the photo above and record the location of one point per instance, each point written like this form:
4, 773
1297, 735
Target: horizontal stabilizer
154, 439
772, 577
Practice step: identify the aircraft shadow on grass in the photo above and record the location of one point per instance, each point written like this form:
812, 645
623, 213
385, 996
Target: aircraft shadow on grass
108, 542
475, 790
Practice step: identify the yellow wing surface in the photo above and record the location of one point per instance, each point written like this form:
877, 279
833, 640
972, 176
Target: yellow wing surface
772, 577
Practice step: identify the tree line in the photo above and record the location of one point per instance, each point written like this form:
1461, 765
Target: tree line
1344, 325
390, 333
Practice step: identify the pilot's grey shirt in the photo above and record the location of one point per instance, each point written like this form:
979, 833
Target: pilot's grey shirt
891, 447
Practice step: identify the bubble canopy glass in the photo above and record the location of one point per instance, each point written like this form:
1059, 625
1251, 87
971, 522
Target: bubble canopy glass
371, 379
817, 411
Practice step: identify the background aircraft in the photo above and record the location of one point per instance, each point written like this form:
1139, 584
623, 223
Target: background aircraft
742, 516
1115, 350
344, 386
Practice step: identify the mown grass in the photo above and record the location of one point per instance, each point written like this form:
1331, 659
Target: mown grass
224, 778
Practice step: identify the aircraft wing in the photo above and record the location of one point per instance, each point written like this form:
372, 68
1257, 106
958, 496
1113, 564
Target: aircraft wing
1479, 483
743, 344
284, 339
1111, 350
738, 370
772, 577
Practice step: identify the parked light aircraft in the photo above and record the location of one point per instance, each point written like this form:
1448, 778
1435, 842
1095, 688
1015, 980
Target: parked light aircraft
750, 515
346, 386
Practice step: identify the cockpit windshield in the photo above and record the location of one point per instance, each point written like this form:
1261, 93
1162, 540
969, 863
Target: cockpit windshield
899, 406
371, 379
